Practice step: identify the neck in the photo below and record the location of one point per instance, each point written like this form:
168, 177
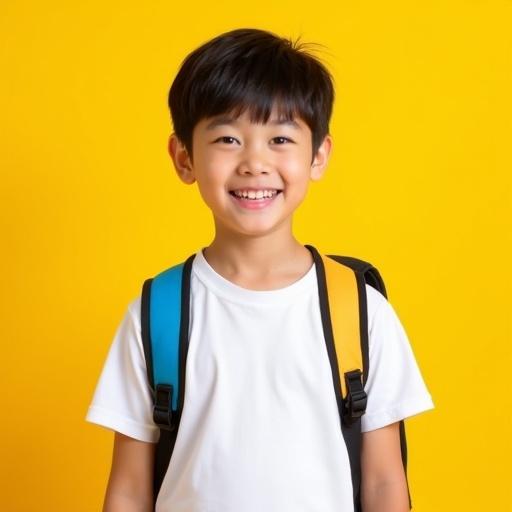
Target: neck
257, 257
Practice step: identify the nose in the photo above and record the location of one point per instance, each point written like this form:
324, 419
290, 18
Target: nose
253, 161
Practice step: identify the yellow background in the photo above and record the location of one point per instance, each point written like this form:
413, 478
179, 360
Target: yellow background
418, 184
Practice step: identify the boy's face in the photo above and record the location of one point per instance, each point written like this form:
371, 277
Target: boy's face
235, 154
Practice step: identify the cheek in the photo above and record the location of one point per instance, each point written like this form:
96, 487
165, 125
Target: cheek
216, 162
294, 170
213, 175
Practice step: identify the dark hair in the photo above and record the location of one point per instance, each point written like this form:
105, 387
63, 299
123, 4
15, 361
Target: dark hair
255, 69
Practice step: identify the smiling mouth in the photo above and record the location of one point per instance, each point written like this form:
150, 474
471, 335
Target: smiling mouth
232, 192
254, 204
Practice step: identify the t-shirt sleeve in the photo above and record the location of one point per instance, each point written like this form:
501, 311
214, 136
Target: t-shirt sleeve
395, 387
122, 399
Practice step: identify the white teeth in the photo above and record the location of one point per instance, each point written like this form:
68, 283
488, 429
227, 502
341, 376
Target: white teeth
251, 194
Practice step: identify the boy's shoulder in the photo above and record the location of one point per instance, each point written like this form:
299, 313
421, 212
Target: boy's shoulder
134, 309
375, 300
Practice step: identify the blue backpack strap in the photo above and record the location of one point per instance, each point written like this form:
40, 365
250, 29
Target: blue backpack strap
165, 304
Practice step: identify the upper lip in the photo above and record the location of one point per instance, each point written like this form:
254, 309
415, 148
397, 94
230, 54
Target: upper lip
254, 188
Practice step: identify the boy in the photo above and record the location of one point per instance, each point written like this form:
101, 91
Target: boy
260, 425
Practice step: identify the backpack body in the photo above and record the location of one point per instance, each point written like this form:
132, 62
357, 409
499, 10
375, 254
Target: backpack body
165, 306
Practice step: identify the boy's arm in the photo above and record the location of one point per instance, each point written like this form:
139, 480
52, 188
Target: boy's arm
130, 485
383, 481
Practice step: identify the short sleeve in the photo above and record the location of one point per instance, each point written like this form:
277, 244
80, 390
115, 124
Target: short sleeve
395, 387
122, 398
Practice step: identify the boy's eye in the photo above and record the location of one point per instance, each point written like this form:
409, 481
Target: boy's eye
283, 139
225, 139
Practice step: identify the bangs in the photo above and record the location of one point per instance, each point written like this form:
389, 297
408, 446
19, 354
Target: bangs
257, 85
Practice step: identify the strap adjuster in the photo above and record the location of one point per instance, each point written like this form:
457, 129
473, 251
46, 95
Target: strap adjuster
355, 402
162, 410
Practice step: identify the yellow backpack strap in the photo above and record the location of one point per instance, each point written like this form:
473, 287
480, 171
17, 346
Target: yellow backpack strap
339, 288
341, 312
343, 307
342, 302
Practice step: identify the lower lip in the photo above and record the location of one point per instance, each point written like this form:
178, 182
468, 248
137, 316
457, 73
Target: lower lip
254, 204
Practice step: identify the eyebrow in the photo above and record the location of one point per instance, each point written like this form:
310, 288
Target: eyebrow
226, 120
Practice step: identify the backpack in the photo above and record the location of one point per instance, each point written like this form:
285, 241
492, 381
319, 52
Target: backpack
165, 303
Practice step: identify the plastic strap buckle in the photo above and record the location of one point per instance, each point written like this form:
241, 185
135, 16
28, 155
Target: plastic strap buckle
355, 403
162, 410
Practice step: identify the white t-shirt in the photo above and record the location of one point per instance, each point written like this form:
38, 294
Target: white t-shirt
260, 429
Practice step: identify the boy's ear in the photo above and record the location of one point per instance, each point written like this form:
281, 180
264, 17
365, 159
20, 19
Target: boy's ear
180, 159
321, 158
